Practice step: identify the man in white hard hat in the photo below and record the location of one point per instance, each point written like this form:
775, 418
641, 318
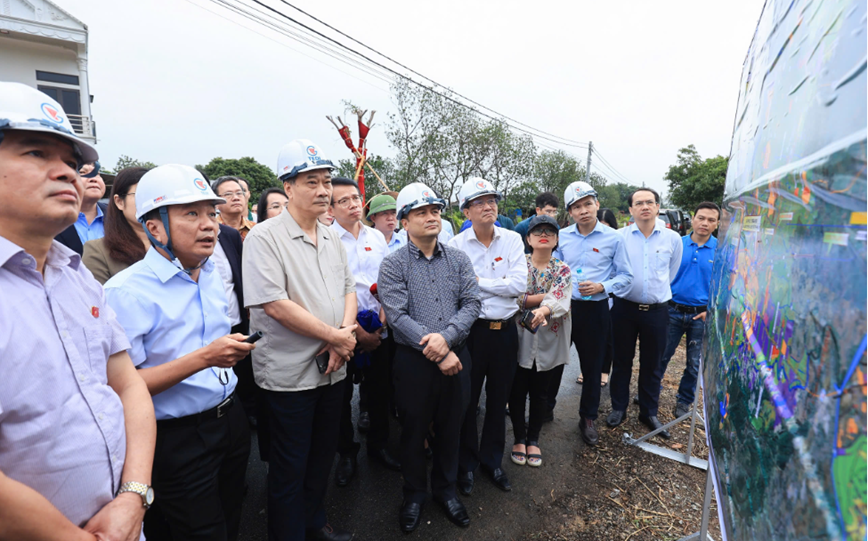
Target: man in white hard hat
598, 259
77, 436
302, 295
498, 260
366, 248
431, 299
174, 310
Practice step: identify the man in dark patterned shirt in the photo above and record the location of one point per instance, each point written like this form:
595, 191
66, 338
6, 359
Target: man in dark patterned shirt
431, 299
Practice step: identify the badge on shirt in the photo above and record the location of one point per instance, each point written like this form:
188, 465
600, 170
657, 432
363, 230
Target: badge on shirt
497, 261
367, 248
596, 250
94, 311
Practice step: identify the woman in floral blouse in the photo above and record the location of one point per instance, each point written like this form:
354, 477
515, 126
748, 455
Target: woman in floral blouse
548, 298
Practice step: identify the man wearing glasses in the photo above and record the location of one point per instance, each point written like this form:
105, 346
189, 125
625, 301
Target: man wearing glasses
498, 259
366, 248
641, 310
234, 212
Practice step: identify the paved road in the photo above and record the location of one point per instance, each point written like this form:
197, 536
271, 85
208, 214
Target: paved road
369, 505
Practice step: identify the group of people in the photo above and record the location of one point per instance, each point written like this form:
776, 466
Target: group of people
143, 338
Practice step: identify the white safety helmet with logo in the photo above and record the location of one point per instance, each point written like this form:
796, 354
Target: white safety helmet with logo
416, 195
300, 155
473, 188
27, 109
578, 190
168, 185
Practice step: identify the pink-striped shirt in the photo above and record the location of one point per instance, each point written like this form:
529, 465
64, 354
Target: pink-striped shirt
61, 425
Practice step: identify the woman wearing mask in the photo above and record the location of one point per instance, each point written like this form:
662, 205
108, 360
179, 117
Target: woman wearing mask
543, 337
125, 241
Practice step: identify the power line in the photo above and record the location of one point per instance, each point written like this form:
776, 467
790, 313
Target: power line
612, 168
442, 95
427, 78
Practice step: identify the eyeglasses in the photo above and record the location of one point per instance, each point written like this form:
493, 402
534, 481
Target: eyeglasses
544, 233
229, 195
491, 202
649, 203
346, 201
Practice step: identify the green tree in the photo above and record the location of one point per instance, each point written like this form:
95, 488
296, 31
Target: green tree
125, 161
259, 176
693, 180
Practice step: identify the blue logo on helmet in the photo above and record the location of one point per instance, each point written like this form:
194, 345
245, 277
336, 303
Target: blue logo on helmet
201, 184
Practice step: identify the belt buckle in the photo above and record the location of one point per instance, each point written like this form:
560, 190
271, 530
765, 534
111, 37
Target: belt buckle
644, 307
223, 406
494, 325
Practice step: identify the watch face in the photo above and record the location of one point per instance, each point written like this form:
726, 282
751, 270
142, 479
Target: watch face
149, 496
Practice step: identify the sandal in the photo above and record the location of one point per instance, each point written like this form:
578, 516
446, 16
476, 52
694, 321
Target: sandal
534, 459
518, 458
580, 380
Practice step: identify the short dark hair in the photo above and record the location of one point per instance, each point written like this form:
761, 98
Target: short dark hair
607, 216
546, 199
344, 181
223, 180
708, 205
652, 190
262, 209
153, 214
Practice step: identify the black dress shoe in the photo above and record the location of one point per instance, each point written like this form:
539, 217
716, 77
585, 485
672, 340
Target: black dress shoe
383, 457
410, 516
652, 423
429, 454
636, 400
364, 422
465, 483
455, 511
346, 470
498, 476
328, 533
588, 431
616, 418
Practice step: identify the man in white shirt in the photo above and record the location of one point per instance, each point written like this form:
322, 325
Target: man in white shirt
366, 248
498, 258
641, 310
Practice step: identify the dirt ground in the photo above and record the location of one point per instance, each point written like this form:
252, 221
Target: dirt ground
610, 492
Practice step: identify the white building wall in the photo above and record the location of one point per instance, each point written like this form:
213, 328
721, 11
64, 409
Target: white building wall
21, 60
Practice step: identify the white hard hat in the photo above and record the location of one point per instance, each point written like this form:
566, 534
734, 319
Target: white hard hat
578, 190
473, 188
416, 195
172, 184
300, 155
24, 108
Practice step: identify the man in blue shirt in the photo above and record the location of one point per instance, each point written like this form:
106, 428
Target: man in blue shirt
174, 310
546, 204
598, 259
687, 309
639, 311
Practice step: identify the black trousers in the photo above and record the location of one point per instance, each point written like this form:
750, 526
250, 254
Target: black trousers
304, 438
652, 329
198, 477
424, 395
536, 384
591, 325
495, 359
376, 379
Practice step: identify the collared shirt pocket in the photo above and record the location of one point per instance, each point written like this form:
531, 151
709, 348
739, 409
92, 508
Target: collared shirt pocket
98, 338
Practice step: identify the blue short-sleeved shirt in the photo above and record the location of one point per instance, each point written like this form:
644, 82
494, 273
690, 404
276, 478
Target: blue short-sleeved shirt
693, 281
167, 315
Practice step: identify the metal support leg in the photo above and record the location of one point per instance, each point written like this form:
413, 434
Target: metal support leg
702, 534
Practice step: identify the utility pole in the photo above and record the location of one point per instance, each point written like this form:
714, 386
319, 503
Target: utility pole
588, 170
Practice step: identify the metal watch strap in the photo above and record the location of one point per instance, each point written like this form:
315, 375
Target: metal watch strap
139, 488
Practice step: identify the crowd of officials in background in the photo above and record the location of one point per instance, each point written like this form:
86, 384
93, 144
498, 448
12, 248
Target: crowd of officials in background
141, 339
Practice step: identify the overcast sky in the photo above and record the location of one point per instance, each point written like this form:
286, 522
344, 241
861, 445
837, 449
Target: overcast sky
186, 80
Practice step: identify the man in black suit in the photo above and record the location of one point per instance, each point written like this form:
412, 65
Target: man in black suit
89, 225
227, 258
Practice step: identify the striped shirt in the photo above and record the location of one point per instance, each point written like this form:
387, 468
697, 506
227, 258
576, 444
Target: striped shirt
61, 426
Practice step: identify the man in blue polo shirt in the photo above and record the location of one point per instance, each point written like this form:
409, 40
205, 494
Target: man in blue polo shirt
687, 309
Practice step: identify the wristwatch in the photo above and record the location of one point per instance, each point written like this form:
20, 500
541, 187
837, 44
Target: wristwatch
143, 490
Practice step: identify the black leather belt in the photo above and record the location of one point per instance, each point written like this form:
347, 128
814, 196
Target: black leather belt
492, 324
644, 307
683, 308
216, 412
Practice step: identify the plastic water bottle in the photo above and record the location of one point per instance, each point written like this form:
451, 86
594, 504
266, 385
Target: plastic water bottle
579, 281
